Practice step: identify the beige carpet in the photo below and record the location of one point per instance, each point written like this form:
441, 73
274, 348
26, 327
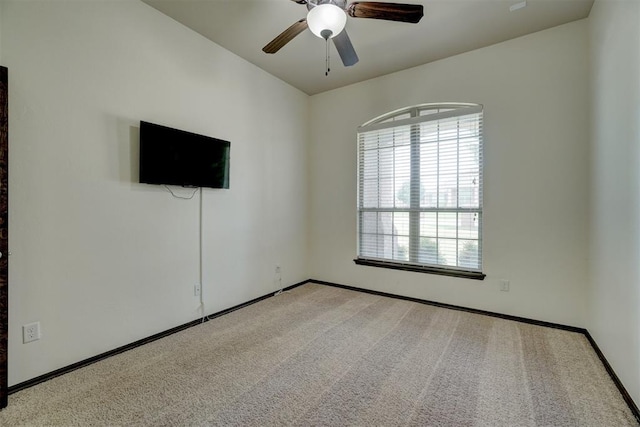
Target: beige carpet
320, 355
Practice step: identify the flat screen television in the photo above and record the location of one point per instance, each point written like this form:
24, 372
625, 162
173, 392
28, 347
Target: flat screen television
176, 157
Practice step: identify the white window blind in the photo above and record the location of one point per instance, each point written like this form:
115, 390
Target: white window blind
420, 187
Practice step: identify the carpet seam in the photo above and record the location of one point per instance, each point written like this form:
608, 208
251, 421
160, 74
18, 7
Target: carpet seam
253, 386
352, 364
433, 372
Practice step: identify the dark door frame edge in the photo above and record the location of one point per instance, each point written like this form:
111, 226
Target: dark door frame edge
4, 235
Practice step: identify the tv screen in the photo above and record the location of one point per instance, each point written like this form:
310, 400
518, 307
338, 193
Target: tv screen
176, 157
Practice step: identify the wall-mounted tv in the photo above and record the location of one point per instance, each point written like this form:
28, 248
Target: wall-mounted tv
176, 157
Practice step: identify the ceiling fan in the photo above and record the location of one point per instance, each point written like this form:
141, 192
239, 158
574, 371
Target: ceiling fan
327, 19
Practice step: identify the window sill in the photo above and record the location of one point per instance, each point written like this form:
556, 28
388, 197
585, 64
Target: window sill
475, 275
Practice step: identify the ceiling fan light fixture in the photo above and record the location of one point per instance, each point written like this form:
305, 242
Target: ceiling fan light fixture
326, 17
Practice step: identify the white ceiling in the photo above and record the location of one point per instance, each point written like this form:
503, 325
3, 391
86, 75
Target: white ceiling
449, 27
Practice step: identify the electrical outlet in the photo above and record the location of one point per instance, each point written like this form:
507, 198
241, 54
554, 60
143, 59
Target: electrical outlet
31, 332
504, 285
197, 290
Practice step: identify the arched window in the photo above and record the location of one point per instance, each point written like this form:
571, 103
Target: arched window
420, 190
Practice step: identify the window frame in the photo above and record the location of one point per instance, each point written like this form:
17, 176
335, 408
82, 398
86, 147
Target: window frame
413, 116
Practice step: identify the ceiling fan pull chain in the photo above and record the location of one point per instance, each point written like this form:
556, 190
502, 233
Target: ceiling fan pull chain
328, 59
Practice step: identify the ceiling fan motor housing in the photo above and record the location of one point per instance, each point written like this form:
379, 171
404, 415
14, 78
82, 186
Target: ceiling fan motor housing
342, 4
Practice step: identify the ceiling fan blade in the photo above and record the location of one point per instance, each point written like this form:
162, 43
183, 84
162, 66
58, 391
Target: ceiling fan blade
345, 49
300, 1
411, 13
285, 37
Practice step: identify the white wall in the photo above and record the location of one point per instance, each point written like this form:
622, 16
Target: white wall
535, 94
97, 258
1, 34
614, 295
